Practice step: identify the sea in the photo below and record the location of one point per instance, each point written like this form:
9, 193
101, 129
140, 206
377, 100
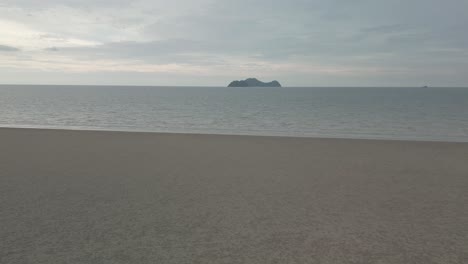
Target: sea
434, 114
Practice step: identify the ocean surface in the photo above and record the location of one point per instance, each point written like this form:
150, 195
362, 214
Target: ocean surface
374, 113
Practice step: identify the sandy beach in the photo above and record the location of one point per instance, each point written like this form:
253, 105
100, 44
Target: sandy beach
123, 197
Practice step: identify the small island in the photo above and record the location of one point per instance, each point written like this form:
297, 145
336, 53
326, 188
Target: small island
253, 82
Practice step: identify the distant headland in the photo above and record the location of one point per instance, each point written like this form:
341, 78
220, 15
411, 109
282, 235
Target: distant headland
253, 82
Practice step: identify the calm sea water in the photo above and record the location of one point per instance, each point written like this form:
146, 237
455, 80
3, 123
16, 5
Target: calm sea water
390, 113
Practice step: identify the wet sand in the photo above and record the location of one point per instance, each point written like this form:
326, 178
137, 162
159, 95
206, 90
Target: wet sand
118, 197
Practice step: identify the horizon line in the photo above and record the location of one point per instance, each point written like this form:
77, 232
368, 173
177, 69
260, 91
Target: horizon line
216, 86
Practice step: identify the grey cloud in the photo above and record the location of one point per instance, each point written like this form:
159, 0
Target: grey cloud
8, 48
34, 4
385, 29
54, 49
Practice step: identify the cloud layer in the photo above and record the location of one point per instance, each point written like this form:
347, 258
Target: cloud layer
207, 42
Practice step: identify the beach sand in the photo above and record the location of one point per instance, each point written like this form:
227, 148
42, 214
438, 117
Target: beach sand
124, 197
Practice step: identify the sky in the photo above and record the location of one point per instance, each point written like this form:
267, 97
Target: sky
212, 42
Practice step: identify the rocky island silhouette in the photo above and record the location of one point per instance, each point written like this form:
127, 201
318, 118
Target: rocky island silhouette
253, 82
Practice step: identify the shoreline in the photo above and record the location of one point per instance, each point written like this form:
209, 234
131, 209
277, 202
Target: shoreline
123, 130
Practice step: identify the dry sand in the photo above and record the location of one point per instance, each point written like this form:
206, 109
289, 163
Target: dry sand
116, 197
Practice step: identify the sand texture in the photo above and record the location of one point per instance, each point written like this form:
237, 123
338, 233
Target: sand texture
116, 197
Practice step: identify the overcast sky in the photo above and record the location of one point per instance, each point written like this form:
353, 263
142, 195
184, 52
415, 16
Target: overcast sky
211, 42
